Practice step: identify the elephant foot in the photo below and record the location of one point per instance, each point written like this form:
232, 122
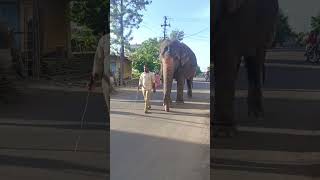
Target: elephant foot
224, 132
166, 108
170, 105
179, 102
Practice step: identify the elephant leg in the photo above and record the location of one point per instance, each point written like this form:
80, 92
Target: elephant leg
167, 101
167, 68
226, 65
180, 86
255, 67
189, 84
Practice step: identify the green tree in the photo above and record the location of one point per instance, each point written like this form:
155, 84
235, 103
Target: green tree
300, 38
147, 53
198, 70
90, 13
83, 39
177, 35
124, 16
315, 23
283, 31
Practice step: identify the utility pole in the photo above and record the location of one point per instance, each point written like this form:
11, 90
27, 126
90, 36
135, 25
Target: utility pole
165, 27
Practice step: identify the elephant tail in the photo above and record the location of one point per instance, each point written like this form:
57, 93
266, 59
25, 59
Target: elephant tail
263, 73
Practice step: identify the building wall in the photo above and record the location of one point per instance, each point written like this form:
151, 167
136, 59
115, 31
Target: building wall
128, 70
115, 65
300, 12
54, 25
9, 16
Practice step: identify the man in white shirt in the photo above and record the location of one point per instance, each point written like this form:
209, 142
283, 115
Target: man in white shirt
101, 70
147, 83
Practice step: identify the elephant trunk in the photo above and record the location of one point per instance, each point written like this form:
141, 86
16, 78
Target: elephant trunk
168, 71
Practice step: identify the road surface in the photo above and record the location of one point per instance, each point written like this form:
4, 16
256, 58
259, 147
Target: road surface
38, 135
284, 145
160, 145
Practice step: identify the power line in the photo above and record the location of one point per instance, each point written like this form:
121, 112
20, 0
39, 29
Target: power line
191, 21
199, 36
197, 39
149, 28
197, 32
188, 19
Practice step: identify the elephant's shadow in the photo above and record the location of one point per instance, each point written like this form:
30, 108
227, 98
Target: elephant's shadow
188, 105
191, 105
173, 112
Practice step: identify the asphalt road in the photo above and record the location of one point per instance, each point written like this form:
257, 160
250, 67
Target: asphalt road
284, 145
160, 145
38, 133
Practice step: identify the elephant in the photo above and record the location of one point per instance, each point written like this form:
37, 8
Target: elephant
178, 62
242, 29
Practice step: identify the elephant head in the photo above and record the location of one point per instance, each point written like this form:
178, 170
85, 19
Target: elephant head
177, 62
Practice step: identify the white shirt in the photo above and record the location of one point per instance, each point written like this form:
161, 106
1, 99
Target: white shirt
146, 80
101, 65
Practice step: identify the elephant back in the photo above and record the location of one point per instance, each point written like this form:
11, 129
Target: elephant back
187, 56
178, 51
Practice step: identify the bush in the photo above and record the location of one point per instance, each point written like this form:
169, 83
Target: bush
83, 39
135, 74
147, 53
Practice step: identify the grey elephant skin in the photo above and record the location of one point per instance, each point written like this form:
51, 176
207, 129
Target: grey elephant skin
177, 62
241, 29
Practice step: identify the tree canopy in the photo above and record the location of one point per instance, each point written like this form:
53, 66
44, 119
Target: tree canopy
283, 31
147, 53
177, 35
90, 13
124, 16
315, 23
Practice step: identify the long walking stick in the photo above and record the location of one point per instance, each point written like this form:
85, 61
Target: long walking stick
82, 121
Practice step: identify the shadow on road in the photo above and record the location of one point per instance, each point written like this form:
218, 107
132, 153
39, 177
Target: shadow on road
56, 106
285, 78
54, 109
291, 111
51, 164
283, 113
227, 164
87, 126
49, 149
149, 115
132, 95
156, 157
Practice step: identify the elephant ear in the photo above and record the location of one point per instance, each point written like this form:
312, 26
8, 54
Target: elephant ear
233, 5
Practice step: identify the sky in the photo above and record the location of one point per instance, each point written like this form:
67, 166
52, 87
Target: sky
192, 17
